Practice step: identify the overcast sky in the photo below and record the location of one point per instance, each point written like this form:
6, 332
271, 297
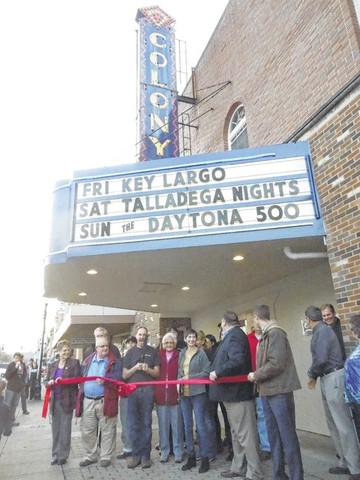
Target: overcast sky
67, 102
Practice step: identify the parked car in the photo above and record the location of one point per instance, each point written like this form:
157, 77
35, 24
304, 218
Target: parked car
3, 367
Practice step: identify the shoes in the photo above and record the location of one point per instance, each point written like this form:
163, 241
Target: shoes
15, 424
263, 455
26, 413
145, 463
123, 455
339, 471
191, 462
157, 446
105, 463
230, 457
86, 463
205, 465
164, 460
135, 462
61, 462
178, 460
54, 461
230, 474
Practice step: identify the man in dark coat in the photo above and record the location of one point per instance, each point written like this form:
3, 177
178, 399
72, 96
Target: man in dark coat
232, 358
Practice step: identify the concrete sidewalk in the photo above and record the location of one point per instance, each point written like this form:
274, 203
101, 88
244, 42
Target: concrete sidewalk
26, 455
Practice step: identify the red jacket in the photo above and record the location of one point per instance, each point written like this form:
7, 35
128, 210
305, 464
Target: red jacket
253, 342
111, 400
167, 394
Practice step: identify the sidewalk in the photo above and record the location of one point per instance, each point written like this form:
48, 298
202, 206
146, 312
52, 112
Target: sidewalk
26, 455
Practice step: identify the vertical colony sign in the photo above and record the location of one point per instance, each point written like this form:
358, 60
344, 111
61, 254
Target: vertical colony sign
158, 95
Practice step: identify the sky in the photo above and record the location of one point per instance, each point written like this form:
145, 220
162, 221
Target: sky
67, 102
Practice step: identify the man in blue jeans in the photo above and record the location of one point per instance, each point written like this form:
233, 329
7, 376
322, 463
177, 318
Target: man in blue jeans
276, 378
141, 364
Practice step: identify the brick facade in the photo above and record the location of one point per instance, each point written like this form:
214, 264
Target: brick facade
336, 157
286, 62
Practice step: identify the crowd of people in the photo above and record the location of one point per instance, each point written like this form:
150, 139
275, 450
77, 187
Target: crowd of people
192, 385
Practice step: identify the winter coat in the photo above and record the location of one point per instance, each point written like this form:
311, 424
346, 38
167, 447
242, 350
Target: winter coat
111, 399
232, 358
16, 379
68, 392
198, 368
167, 394
276, 372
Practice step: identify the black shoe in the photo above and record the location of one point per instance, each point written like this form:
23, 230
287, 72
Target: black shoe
205, 465
86, 463
123, 455
54, 461
191, 462
61, 462
105, 463
339, 471
26, 413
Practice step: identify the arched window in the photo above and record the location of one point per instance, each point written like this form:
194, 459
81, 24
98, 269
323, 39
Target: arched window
237, 134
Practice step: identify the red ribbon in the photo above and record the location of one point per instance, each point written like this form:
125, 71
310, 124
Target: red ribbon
126, 389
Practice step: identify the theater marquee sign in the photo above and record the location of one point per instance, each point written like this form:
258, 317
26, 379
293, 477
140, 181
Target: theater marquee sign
202, 196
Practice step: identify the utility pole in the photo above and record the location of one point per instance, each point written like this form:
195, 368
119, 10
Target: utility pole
38, 381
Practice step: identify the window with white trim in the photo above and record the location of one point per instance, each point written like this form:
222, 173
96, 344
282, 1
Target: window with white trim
237, 133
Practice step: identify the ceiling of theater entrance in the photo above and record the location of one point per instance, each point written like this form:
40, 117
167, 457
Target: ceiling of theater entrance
138, 280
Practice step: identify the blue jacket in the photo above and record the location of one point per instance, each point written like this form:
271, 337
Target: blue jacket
325, 350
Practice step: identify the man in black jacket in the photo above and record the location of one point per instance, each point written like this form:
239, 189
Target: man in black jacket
232, 358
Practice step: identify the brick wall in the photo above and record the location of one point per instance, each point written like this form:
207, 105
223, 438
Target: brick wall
335, 147
152, 322
284, 61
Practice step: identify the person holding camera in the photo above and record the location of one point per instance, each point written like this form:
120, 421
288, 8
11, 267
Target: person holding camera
141, 364
16, 375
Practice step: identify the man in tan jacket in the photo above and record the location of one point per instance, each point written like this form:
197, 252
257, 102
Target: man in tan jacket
276, 379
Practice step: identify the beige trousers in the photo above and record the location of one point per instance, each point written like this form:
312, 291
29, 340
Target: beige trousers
94, 424
245, 439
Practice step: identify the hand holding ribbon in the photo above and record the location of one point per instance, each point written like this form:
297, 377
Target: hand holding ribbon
126, 389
